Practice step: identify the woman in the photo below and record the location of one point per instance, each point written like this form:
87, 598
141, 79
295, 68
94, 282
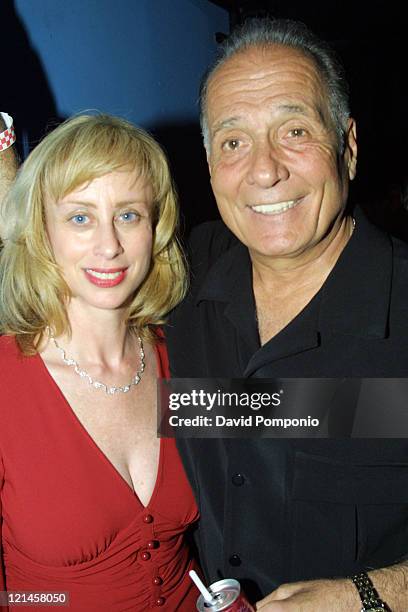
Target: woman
93, 504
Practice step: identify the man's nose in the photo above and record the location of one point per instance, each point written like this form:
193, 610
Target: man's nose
107, 242
267, 167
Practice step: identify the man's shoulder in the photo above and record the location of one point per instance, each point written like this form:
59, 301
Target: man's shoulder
399, 287
208, 241
400, 251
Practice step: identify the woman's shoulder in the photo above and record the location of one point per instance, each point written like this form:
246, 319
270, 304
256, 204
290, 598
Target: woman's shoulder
11, 377
8, 347
11, 358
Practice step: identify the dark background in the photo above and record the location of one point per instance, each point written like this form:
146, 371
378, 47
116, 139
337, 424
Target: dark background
370, 37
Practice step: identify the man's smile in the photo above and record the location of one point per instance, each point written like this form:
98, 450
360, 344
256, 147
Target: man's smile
275, 209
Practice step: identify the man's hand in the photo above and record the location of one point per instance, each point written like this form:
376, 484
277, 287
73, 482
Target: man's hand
339, 595
313, 596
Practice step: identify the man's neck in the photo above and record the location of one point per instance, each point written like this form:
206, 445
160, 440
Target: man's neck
282, 288
283, 275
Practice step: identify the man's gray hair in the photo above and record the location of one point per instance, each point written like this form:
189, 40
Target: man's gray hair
296, 35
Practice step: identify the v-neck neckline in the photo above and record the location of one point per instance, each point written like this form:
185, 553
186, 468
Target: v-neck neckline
84, 432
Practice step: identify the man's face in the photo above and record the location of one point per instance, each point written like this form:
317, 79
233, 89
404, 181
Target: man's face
276, 172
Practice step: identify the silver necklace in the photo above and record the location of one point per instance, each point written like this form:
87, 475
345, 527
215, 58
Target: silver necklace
109, 389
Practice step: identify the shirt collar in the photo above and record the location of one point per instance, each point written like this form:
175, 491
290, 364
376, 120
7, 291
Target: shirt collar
229, 280
354, 299
228, 276
356, 295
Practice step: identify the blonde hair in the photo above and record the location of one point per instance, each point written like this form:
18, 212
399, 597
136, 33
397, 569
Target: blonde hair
33, 292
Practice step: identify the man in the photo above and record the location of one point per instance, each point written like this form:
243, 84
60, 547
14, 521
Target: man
8, 157
295, 287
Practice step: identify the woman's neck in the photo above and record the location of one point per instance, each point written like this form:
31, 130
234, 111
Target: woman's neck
99, 337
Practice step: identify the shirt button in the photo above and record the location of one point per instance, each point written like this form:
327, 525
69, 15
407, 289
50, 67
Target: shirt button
148, 518
145, 556
153, 544
160, 601
238, 480
157, 581
235, 560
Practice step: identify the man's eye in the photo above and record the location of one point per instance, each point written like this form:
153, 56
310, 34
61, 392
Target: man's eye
297, 132
231, 145
129, 217
79, 219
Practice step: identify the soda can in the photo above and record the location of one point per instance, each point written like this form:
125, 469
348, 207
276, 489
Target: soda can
227, 598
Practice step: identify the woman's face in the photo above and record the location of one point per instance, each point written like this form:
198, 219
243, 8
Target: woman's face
101, 237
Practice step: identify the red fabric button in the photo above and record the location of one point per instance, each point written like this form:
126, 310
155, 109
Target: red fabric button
145, 556
153, 544
160, 601
157, 581
148, 518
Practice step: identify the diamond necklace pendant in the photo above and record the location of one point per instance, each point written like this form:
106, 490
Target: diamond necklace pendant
96, 384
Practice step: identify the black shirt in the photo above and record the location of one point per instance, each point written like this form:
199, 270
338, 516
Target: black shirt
275, 511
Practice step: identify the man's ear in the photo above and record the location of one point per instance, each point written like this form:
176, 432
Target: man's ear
350, 153
207, 152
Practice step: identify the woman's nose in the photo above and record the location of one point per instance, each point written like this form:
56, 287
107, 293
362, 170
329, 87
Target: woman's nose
107, 242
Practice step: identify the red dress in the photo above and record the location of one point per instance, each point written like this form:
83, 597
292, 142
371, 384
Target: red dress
70, 522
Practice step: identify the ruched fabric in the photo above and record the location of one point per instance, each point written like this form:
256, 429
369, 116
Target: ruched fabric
70, 522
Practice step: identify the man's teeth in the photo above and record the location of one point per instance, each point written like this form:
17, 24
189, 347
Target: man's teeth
104, 275
274, 209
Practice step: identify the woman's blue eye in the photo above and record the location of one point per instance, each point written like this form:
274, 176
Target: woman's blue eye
79, 219
129, 216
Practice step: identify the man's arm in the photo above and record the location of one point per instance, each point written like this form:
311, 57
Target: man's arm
339, 595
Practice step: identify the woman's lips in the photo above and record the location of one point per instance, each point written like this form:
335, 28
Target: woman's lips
105, 277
